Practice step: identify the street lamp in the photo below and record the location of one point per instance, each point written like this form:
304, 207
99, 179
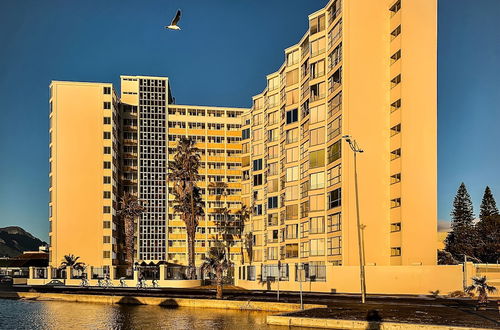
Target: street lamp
361, 245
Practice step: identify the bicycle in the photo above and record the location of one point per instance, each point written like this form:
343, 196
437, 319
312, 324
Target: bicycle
108, 283
122, 282
84, 283
155, 283
141, 284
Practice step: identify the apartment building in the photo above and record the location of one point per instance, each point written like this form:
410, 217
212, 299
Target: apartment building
84, 145
103, 146
366, 69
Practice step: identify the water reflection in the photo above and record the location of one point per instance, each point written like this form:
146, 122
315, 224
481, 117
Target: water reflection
23, 314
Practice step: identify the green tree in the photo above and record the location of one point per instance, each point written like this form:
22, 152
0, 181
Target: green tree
130, 209
488, 233
71, 261
183, 172
480, 285
216, 262
488, 205
462, 237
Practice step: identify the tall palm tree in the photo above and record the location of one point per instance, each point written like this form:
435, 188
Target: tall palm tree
71, 261
130, 209
216, 262
244, 214
183, 172
479, 284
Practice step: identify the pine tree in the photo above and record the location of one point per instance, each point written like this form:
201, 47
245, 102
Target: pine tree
488, 205
462, 238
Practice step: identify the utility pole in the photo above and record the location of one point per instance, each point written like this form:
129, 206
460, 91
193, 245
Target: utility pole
361, 246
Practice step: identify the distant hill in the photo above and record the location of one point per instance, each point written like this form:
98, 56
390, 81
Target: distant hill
15, 240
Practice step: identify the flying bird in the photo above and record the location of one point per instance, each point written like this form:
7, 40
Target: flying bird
173, 25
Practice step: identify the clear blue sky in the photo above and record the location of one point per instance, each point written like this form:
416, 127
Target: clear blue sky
220, 58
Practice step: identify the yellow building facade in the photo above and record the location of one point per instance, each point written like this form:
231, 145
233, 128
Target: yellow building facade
367, 69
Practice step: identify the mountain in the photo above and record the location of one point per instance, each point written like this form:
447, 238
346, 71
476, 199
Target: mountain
15, 240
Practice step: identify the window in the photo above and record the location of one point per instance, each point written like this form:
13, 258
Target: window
107, 135
106, 239
273, 100
396, 202
334, 222
292, 77
395, 251
107, 194
333, 175
335, 81
317, 69
272, 202
107, 165
107, 180
317, 24
292, 116
334, 246
106, 224
395, 154
395, 7
272, 152
317, 136
396, 56
396, 226
292, 154
395, 178
317, 180
291, 250
292, 212
258, 149
292, 135
395, 81
317, 202
106, 209
257, 209
292, 57
292, 173
334, 151
318, 91
273, 83
317, 247
106, 254
334, 198
107, 90
395, 129
273, 168
291, 231
317, 158
107, 105
257, 164
107, 150
245, 134
318, 46
395, 105
257, 134
292, 97
107, 120
317, 114
334, 128
396, 32
257, 180
317, 225
272, 219
291, 193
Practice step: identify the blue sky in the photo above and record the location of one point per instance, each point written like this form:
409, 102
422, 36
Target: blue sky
220, 58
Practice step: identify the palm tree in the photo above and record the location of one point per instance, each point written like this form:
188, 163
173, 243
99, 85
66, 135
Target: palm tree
183, 172
71, 261
244, 214
479, 284
216, 262
130, 209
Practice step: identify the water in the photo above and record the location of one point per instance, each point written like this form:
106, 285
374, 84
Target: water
25, 314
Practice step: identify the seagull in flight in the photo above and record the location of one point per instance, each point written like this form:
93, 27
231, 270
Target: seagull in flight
173, 25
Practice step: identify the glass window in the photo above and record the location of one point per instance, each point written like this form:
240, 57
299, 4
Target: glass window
334, 246
292, 77
317, 136
334, 151
335, 198
334, 222
292, 154
317, 180
318, 46
272, 202
317, 225
317, 113
333, 175
317, 158
317, 247
257, 164
292, 116
317, 202
292, 212
292, 173
317, 24
292, 97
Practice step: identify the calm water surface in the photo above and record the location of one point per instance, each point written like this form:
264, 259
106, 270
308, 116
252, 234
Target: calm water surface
25, 314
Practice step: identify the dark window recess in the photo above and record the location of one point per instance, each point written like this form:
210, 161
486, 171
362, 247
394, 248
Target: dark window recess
292, 116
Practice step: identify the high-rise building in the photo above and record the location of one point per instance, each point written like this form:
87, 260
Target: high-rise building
84, 146
366, 69
103, 146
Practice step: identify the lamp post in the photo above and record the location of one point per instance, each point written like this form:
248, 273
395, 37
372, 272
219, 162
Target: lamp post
361, 245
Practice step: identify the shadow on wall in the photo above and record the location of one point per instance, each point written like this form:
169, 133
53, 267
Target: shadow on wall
128, 300
374, 320
169, 304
